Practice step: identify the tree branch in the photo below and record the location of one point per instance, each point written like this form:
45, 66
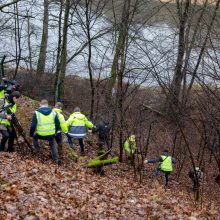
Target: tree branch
8, 4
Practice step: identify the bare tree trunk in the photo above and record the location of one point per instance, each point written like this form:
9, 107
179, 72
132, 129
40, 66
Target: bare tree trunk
17, 39
117, 72
59, 45
190, 46
120, 108
172, 101
44, 39
29, 43
59, 84
120, 47
88, 10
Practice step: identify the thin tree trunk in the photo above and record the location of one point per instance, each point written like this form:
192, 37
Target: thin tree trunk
29, 43
175, 88
119, 53
59, 45
190, 47
44, 39
59, 84
120, 47
17, 40
88, 9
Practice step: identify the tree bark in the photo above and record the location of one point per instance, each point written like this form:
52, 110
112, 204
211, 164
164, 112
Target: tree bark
59, 84
59, 46
29, 43
120, 47
92, 87
17, 39
172, 102
44, 39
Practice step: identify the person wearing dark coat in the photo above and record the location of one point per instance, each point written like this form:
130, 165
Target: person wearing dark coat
165, 165
196, 176
103, 130
44, 125
6, 128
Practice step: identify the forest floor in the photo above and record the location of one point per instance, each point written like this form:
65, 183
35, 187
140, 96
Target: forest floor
33, 187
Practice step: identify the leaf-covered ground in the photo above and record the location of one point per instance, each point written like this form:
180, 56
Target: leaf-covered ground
36, 188
32, 189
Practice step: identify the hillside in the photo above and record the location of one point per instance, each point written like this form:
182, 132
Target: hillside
35, 188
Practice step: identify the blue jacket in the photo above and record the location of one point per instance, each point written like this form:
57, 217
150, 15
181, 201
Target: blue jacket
44, 111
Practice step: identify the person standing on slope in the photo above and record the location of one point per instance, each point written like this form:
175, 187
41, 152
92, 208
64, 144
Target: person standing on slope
6, 129
130, 147
165, 165
44, 125
103, 130
196, 175
77, 128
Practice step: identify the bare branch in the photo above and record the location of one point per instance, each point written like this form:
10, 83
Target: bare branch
8, 4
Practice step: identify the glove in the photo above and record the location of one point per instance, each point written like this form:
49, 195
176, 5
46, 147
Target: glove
146, 161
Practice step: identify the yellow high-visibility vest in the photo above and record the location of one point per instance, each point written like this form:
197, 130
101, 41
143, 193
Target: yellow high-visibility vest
63, 123
13, 109
45, 124
130, 145
166, 165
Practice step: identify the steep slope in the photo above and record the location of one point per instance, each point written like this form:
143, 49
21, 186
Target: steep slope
32, 188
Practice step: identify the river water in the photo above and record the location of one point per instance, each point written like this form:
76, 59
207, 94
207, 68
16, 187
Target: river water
152, 50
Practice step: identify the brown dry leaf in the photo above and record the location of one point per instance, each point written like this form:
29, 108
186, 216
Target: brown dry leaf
35, 188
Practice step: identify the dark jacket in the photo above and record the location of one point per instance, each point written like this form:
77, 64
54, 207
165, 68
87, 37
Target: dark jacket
159, 159
103, 129
44, 111
192, 175
3, 84
8, 86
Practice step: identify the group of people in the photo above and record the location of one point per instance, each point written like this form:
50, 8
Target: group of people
49, 124
9, 95
165, 162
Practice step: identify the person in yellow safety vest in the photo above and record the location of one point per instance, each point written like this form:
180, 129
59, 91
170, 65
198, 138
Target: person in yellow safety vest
6, 128
77, 128
44, 125
2, 93
130, 145
165, 165
3, 87
58, 109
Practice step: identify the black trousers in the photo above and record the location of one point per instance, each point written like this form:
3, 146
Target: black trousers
58, 139
52, 145
104, 142
166, 174
9, 135
81, 143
